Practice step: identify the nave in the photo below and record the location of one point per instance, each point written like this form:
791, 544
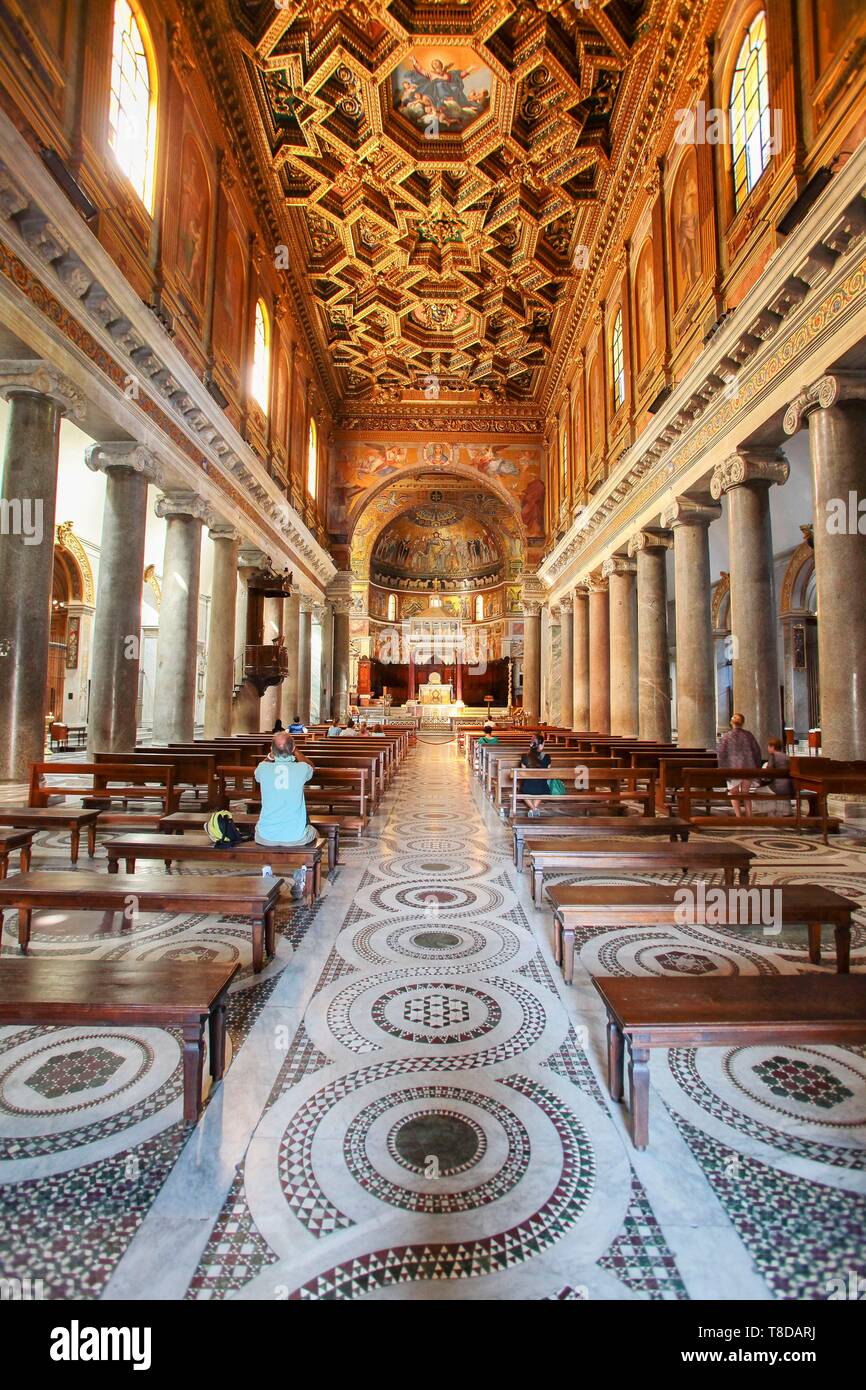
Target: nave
416, 1106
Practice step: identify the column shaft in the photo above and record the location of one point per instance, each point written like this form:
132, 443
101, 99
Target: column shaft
580, 711
696, 675
305, 637
174, 689
599, 658
291, 617
566, 712
340, 695
26, 576
654, 681
531, 662
117, 626
272, 630
221, 635
623, 647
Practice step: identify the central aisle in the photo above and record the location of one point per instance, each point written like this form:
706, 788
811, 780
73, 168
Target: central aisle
430, 1120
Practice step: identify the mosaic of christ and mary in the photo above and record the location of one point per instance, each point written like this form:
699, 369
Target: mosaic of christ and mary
442, 91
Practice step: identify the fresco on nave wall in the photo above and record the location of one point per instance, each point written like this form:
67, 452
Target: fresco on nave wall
363, 465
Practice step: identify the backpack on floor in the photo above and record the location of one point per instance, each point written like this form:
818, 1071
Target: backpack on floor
222, 832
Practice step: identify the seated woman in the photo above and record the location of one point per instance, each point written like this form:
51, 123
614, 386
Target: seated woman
535, 786
779, 763
282, 777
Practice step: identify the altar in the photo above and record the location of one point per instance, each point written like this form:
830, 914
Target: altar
435, 691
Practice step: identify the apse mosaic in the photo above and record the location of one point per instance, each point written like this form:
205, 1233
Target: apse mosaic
456, 549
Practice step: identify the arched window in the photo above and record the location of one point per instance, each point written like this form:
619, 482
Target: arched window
262, 356
132, 107
617, 362
392, 608
479, 608
312, 458
751, 137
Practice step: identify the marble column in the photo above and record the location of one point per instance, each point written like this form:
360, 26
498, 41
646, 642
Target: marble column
566, 688
340, 694
117, 628
221, 633
689, 519
621, 573
580, 710
272, 630
746, 478
323, 616
835, 407
246, 700
599, 656
291, 618
39, 397
531, 660
649, 549
305, 641
176, 654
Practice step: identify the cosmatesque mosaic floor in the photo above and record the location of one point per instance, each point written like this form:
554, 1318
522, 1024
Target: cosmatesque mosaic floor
415, 1104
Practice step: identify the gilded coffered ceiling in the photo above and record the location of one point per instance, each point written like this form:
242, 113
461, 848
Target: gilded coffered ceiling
438, 165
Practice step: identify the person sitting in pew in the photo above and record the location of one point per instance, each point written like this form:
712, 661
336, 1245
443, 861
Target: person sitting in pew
278, 727
282, 777
297, 725
349, 730
536, 757
778, 763
334, 729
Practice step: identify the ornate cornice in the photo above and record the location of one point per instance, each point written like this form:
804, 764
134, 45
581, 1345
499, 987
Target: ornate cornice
760, 467
829, 390
126, 455
33, 377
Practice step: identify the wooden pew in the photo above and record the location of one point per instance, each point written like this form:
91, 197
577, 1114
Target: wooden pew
818, 778
718, 1011
71, 818
129, 994
643, 856
710, 785
122, 782
501, 768
11, 840
594, 827
602, 785
329, 787
194, 770
82, 890
179, 822
284, 859
660, 905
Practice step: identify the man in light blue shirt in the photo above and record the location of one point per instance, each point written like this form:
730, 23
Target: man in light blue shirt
334, 729
282, 777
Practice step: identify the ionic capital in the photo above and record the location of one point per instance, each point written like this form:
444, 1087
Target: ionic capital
33, 377
826, 391
182, 503
251, 558
618, 564
124, 454
689, 511
650, 540
222, 531
761, 467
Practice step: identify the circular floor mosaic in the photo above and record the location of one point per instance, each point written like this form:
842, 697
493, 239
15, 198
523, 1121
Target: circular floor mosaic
433, 1013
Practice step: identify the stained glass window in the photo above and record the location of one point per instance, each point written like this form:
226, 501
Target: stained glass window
312, 458
132, 106
617, 362
751, 137
392, 608
261, 357
479, 608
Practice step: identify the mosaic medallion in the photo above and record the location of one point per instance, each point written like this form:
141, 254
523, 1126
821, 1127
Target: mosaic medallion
436, 940
68, 1072
437, 1143
433, 1014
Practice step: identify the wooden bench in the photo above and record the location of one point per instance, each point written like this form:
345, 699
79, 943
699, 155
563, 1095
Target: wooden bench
329, 787
327, 826
598, 784
185, 848
498, 778
593, 827
71, 818
195, 770
85, 891
720, 1011
660, 905
10, 840
645, 856
710, 785
137, 994
122, 782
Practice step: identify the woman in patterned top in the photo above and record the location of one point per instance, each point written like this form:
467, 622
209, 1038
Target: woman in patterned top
739, 748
